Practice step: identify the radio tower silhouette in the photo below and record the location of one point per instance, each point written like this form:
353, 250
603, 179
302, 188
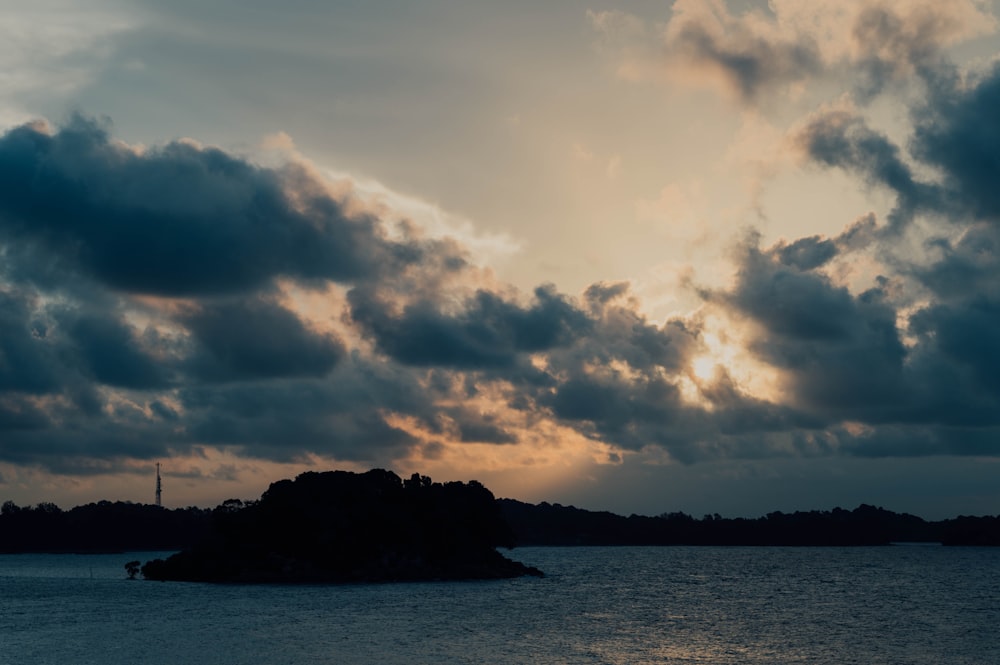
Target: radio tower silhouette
159, 487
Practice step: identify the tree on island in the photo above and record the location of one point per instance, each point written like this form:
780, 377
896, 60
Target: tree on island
132, 568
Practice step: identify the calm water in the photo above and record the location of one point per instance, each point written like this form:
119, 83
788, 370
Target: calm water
597, 605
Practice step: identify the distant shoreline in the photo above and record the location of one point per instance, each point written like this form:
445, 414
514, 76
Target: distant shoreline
117, 527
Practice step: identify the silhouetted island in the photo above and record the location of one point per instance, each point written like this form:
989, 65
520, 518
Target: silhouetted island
339, 526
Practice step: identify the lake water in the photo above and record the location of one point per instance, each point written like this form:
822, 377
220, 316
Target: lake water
899, 605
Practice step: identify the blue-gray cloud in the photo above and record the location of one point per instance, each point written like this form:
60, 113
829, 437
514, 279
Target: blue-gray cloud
178, 219
93, 368
488, 332
256, 338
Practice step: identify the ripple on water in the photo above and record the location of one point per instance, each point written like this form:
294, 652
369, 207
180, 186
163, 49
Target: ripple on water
596, 605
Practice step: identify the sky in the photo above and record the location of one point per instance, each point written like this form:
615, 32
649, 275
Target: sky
712, 257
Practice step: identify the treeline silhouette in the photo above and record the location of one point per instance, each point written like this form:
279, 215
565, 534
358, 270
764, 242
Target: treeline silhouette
119, 526
553, 524
104, 526
339, 526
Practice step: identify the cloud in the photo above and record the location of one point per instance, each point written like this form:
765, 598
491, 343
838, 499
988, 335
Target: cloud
179, 219
109, 352
953, 142
954, 132
749, 53
146, 310
755, 54
25, 357
619, 383
807, 253
843, 139
342, 417
903, 365
140, 303
962, 334
257, 339
487, 331
868, 373
967, 264
841, 352
894, 41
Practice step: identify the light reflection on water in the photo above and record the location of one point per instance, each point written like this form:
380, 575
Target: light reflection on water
596, 605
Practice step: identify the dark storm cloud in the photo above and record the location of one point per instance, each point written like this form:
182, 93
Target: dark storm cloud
954, 133
257, 339
907, 440
842, 352
839, 138
19, 414
615, 405
957, 352
812, 252
618, 382
477, 427
88, 225
949, 371
807, 253
178, 219
843, 360
964, 334
87, 451
344, 414
969, 264
621, 332
58, 349
606, 371
108, 351
163, 411
957, 132
636, 412
488, 332
26, 362
946, 390
790, 302
842, 139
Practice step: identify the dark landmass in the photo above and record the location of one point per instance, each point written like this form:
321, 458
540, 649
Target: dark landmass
548, 524
99, 527
421, 530
339, 526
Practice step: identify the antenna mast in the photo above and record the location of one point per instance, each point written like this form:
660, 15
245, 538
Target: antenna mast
159, 488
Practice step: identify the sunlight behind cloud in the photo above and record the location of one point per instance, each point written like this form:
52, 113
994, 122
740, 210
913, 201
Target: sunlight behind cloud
727, 356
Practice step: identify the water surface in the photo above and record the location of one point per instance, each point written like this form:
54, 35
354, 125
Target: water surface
596, 605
